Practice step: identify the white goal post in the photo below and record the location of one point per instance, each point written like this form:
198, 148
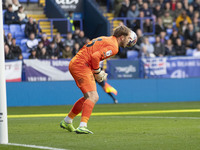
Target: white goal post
3, 100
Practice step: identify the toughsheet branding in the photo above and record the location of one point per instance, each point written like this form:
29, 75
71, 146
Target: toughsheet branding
70, 5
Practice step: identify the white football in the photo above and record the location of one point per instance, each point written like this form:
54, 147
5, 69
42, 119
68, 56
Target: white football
132, 40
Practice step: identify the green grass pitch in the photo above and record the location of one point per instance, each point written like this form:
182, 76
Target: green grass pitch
159, 131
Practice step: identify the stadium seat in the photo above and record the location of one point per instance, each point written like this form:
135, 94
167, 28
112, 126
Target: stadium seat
22, 1
189, 52
25, 55
33, 1
169, 31
23, 27
20, 34
152, 39
18, 41
24, 48
132, 54
14, 28
23, 42
6, 27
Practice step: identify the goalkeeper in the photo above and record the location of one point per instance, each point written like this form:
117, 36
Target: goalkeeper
84, 68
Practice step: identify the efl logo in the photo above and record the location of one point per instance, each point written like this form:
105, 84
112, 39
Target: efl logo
108, 53
67, 2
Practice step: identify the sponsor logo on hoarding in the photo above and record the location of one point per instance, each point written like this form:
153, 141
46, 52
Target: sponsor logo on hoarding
127, 70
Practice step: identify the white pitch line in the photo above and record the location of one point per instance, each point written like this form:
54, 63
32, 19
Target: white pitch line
35, 146
151, 117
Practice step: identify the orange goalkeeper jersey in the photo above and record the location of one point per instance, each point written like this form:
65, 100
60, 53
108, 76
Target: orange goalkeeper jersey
96, 50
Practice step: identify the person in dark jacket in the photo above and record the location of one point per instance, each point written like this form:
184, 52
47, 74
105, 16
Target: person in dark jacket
16, 50
11, 17
179, 48
31, 27
8, 54
43, 54
159, 48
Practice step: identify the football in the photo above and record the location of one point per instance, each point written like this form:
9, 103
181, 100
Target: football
132, 40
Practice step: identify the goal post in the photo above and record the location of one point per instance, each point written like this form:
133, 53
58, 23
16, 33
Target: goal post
3, 100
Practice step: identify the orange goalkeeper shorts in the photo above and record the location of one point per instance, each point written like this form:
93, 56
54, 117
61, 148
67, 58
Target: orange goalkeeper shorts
82, 74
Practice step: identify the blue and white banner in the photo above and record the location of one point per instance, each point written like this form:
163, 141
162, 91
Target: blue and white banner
47, 70
172, 67
123, 69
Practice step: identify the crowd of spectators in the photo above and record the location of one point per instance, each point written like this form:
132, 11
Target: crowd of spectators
177, 30
177, 25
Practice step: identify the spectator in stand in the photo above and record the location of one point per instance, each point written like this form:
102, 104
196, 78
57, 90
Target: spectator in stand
196, 24
82, 39
197, 38
147, 49
15, 5
137, 23
9, 39
159, 48
16, 50
132, 13
8, 54
124, 8
179, 9
57, 40
167, 20
139, 39
69, 41
76, 48
174, 36
196, 15
183, 28
32, 42
31, 27
168, 9
8, 2
151, 4
5, 38
185, 4
196, 5
173, 5
22, 16
39, 48
196, 52
139, 4
53, 51
179, 48
33, 54
163, 37
159, 27
158, 11
67, 52
44, 40
189, 36
117, 7
169, 48
75, 36
43, 54
11, 17
147, 11
183, 16
147, 26
190, 11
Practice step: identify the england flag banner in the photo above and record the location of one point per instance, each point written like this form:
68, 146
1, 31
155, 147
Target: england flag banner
13, 71
47, 70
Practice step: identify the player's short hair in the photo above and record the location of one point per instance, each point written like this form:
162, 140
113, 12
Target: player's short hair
121, 30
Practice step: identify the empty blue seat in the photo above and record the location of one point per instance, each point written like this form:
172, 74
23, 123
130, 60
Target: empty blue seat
6, 27
169, 31
19, 34
23, 27
26, 55
189, 52
22, 1
18, 41
132, 54
23, 41
33, 1
152, 39
14, 28
24, 48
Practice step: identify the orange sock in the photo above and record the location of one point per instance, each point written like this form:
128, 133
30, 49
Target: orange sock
77, 108
87, 110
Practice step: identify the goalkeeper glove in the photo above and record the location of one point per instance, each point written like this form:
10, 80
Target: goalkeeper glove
100, 75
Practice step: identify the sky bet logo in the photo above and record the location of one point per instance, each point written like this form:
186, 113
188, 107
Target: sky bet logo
67, 2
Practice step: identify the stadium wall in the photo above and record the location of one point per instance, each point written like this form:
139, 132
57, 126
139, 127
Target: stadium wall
129, 91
